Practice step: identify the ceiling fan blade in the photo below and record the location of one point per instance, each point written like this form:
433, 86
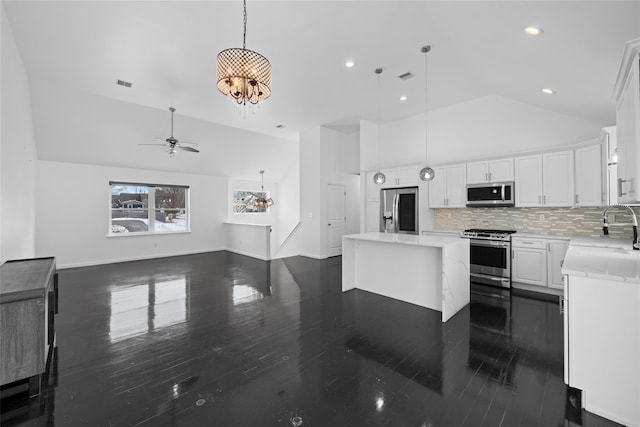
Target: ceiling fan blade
191, 149
190, 143
160, 139
156, 144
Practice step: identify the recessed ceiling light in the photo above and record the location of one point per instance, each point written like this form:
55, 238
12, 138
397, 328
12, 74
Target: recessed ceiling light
533, 31
548, 91
403, 98
349, 63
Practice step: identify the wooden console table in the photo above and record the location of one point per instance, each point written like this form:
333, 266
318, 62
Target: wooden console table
28, 304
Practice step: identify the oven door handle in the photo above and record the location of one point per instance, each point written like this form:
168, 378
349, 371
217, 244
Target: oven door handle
490, 243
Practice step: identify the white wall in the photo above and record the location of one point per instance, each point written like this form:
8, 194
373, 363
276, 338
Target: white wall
326, 157
72, 215
484, 127
288, 212
17, 154
307, 237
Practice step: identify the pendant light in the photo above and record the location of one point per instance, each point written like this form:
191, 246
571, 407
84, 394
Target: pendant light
379, 177
426, 173
262, 202
244, 75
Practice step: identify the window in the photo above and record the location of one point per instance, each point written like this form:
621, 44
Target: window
245, 201
148, 208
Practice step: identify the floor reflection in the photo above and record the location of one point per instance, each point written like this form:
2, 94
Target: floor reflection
142, 308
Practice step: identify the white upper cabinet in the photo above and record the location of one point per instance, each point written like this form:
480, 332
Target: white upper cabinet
490, 171
590, 176
438, 189
528, 180
627, 97
545, 179
448, 188
456, 186
557, 179
401, 177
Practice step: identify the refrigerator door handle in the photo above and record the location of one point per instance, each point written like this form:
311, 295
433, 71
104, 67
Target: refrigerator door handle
395, 212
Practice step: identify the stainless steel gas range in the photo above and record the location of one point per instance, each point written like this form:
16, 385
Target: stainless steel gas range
490, 256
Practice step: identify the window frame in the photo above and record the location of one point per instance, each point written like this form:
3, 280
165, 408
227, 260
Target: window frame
151, 209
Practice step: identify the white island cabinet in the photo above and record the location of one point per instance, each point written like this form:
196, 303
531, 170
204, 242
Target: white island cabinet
602, 328
429, 271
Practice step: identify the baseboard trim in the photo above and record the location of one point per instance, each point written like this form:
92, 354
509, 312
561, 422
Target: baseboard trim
249, 254
140, 258
312, 256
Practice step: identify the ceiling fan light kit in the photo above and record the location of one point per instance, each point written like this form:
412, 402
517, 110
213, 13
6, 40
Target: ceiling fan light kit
244, 75
173, 144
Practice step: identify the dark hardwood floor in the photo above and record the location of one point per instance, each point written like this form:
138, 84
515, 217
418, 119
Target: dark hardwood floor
219, 339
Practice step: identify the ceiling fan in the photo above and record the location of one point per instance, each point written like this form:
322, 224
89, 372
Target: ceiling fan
172, 144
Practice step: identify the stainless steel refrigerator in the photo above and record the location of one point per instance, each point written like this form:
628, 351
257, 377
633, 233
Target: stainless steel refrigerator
399, 210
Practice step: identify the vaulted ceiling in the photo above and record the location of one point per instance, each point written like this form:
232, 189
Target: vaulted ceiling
77, 50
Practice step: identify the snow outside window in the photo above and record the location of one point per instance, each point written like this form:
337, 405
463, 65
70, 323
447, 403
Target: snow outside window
148, 208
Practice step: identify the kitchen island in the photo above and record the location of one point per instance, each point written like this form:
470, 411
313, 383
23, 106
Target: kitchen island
429, 271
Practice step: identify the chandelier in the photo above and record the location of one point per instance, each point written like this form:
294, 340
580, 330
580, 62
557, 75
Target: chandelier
261, 202
244, 75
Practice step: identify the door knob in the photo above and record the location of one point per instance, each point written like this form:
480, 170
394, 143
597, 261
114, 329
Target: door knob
329, 224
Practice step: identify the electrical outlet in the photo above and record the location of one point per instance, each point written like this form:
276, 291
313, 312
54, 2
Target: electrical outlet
541, 217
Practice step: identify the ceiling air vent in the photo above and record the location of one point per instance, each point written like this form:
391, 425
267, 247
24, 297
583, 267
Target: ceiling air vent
406, 76
125, 84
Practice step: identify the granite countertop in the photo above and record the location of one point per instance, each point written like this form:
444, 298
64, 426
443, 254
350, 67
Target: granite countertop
408, 239
602, 258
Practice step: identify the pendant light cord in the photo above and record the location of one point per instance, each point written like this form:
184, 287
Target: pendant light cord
244, 34
426, 49
378, 72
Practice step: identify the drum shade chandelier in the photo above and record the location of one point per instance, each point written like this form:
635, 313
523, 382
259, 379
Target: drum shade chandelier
262, 202
244, 75
426, 173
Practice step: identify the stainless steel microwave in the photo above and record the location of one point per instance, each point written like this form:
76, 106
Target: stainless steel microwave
490, 195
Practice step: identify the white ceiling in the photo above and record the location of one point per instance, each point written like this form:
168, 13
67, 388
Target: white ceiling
168, 50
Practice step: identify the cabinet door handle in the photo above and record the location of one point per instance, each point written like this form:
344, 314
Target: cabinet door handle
486, 176
539, 200
548, 247
489, 176
561, 304
577, 199
544, 199
620, 181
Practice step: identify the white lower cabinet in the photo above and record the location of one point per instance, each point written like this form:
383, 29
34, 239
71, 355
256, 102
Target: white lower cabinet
602, 343
538, 262
556, 250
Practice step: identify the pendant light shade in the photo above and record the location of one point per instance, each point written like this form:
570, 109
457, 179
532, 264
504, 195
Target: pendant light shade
379, 177
244, 75
262, 202
426, 173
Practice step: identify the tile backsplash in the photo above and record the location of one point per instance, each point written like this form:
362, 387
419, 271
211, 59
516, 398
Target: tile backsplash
576, 221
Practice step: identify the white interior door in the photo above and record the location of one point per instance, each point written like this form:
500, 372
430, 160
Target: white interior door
335, 218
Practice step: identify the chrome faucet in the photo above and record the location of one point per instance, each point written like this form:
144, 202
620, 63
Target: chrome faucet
605, 225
